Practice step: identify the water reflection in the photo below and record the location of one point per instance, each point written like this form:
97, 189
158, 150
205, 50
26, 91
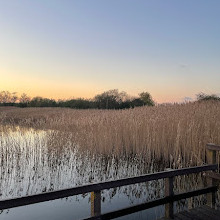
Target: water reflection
34, 161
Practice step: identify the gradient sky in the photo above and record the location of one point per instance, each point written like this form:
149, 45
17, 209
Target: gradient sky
67, 48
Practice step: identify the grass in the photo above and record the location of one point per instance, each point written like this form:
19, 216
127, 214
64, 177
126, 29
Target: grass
174, 133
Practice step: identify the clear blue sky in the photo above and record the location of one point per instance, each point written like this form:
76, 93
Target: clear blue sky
65, 48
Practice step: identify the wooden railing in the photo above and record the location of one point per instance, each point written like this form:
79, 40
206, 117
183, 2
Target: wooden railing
214, 177
96, 189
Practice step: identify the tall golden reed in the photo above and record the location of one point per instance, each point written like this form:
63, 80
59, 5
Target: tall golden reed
174, 133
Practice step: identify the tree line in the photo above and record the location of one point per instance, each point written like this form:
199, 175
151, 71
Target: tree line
112, 99
205, 97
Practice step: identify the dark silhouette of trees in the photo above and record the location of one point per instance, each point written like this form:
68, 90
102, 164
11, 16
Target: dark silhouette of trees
42, 102
7, 98
147, 99
137, 102
206, 97
112, 99
76, 103
24, 100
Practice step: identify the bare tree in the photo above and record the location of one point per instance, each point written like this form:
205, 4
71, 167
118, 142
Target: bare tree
24, 98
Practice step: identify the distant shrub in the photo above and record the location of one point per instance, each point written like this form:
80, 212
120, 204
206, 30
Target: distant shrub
206, 97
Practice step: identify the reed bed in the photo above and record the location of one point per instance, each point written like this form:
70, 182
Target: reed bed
29, 166
174, 133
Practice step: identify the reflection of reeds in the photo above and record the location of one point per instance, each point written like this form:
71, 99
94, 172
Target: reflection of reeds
29, 165
174, 133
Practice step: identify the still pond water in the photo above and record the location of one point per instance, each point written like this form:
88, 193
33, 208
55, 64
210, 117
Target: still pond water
41, 161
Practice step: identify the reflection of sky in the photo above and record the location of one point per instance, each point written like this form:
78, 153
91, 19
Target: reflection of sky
78, 48
57, 210
36, 170
73, 209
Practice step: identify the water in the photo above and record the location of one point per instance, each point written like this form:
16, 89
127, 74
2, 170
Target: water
34, 161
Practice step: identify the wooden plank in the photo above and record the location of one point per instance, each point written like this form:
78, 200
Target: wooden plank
211, 159
96, 203
215, 176
169, 192
157, 202
183, 216
176, 217
214, 211
212, 146
180, 216
43, 197
190, 214
209, 213
166, 218
200, 215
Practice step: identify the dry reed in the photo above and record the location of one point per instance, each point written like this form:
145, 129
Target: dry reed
175, 133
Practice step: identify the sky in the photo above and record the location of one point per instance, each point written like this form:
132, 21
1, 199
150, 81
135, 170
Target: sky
67, 48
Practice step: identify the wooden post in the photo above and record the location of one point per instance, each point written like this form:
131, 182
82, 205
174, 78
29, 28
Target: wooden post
190, 203
211, 159
96, 203
169, 192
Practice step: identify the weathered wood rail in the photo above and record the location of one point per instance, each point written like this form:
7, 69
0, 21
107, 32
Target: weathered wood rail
96, 188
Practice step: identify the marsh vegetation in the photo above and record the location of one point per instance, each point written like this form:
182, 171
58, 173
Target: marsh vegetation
174, 133
44, 149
